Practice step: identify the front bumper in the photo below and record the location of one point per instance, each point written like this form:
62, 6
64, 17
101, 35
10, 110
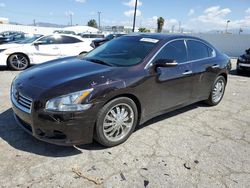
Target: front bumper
3, 59
243, 65
58, 128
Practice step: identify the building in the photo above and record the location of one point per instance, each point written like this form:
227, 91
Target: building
4, 20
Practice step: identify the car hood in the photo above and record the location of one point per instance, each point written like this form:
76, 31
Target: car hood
246, 56
66, 73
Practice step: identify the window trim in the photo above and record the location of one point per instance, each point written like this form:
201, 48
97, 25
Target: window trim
213, 50
72, 37
150, 63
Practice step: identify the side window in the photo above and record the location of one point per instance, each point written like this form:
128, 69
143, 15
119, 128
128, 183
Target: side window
175, 51
198, 50
51, 40
69, 40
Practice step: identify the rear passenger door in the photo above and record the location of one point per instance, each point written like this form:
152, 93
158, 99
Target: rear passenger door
204, 67
70, 46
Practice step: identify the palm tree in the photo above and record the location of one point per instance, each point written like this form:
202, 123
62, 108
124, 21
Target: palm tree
144, 30
160, 24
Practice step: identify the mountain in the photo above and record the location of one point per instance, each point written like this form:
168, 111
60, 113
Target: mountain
232, 31
44, 24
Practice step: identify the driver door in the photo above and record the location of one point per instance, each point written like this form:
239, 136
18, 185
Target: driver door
173, 85
46, 49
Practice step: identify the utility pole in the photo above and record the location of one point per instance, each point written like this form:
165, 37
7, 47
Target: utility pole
99, 20
173, 26
227, 25
134, 16
179, 26
240, 30
71, 19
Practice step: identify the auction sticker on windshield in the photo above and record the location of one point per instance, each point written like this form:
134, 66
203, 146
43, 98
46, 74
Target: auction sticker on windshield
149, 40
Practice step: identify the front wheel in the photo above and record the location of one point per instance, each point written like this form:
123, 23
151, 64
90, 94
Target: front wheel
217, 91
116, 121
18, 62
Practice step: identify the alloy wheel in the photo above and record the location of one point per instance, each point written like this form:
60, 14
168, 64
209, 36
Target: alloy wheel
118, 122
18, 61
218, 91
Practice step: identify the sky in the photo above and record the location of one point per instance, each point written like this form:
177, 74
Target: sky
195, 15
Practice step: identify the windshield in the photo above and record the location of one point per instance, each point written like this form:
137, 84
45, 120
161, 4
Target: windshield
29, 40
124, 51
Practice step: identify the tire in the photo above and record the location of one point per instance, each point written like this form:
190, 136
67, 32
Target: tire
113, 128
18, 61
213, 100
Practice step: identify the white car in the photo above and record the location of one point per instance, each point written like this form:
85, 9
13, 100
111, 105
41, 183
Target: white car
43, 49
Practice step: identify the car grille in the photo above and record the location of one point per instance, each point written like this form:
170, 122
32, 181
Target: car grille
23, 102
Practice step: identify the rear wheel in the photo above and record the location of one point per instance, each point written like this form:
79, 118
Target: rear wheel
116, 121
217, 91
18, 62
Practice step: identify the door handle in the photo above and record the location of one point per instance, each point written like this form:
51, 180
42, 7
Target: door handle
215, 66
55, 48
187, 72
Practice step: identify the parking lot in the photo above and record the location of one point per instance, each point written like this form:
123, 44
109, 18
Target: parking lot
196, 146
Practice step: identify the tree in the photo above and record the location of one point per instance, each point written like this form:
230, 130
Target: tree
92, 23
160, 24
144, 30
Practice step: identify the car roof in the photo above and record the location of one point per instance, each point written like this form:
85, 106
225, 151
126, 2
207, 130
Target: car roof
161, 36
68, 35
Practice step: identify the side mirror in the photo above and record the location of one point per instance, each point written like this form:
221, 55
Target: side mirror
165, 63
37, 43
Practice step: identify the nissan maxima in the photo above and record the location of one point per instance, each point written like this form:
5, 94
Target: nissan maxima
105, 94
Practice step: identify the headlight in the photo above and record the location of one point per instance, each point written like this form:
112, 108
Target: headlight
70, 102
241, 59
1, 50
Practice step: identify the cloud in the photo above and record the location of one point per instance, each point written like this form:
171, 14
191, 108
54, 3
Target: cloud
131, 3
190, 12
212, 18
216, 11
215, 18
80, 1
130, 13
2, 5
248, 11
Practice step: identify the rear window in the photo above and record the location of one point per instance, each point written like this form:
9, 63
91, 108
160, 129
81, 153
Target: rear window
198, 50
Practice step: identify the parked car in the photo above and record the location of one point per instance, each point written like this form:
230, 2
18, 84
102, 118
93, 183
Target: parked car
43, 49
11, 36
91, 36
97, 42
115, 87
64, 32
243, 62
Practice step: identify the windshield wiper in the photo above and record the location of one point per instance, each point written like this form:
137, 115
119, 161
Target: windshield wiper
98, 61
